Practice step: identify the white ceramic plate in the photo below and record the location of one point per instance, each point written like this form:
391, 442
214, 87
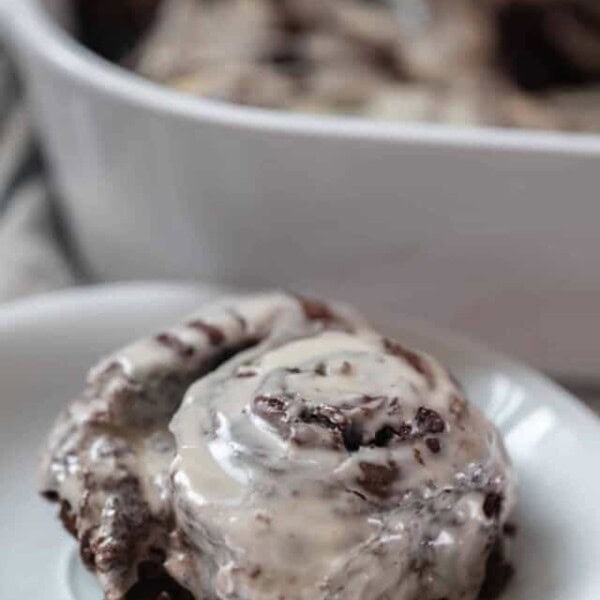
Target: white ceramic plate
46, 345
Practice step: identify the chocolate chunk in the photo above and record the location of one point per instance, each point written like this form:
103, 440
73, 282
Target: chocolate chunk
50, 495
325, 416
378, 479
492, 505
273, 410
510, 529
413, 359
68, 518
433, 444
85, 549
429, 421
352, 437
498, 574
390, 433
159, 587
270, 403
170, 341
214, 334
383, 436
148, 569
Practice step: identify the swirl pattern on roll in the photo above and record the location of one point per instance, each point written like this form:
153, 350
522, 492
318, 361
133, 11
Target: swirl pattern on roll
310, 458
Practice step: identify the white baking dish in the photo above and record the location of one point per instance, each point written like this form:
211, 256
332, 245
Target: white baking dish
492, 230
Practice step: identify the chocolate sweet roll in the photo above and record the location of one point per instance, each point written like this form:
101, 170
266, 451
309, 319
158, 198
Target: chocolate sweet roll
275, 447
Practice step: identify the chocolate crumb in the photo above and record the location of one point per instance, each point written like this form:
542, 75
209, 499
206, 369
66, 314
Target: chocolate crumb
418, 456
174, 343
293, 370
433, 444
413, 359
268, 406
346, 368
273, 410
510, 530
255, 572
321, 369
241, 374
356, 493
263, 518
326, 416
492, 505
315, 310
404, 432
458, 407
429, 421
215, 336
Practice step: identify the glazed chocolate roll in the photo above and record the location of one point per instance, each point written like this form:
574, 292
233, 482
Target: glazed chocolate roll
274, 447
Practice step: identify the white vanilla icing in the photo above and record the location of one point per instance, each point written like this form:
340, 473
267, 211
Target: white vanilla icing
319, 461
233, 465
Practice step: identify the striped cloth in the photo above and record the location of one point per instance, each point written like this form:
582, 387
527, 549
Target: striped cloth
34, 253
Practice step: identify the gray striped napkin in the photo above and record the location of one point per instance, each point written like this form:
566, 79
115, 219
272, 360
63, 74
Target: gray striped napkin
34, 253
